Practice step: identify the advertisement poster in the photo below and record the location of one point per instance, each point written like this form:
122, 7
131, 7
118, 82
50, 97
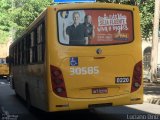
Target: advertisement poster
95, 27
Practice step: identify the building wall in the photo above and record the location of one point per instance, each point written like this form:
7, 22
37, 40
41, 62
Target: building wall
146, 44
4, 49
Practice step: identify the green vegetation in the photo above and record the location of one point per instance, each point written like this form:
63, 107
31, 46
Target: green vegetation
25, 11
16, 15
147, 14
5, 6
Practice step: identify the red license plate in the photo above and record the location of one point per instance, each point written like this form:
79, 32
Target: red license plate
99, 90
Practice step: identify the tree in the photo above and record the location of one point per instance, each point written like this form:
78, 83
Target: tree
146, 13
5, 6
25, 12
155, 42
16, 15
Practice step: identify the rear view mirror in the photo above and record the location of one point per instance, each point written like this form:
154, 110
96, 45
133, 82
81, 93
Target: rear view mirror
7, 60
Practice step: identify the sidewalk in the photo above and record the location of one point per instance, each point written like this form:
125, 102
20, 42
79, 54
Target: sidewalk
152, 93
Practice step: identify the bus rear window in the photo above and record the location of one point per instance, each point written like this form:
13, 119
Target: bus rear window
95, 27
2, 61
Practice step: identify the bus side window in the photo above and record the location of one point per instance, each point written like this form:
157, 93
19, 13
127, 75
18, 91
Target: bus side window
20, 52
33, 49
0, 61
4, 61
28, 44
40, 42
25, 51
43, 40
16, 54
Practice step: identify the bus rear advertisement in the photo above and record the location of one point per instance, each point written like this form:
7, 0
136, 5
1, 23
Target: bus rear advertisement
80, 55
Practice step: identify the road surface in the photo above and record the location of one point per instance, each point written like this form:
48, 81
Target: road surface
15, 109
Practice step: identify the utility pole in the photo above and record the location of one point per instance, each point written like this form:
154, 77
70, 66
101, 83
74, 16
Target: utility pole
154, 53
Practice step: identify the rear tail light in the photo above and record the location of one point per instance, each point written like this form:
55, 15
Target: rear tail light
58, 85
137, 77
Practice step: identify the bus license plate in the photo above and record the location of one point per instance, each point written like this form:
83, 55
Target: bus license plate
99, 90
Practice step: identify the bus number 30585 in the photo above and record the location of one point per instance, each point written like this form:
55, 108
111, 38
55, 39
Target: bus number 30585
84, 70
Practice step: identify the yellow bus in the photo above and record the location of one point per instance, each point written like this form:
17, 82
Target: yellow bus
78, 56
4, 68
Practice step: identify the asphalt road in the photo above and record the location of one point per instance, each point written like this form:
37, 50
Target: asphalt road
15, 109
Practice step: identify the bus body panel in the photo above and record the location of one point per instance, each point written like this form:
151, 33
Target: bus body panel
26, 76
31, 76
64, 104
4, 68
111, 74
115, 61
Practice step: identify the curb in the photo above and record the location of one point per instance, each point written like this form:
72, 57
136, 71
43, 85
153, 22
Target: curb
152, 99
155, 101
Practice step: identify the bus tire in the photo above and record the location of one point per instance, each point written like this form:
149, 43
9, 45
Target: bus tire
28, 100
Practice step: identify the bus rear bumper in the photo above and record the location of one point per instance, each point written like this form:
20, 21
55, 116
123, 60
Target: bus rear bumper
4, 75
99, 102
79, 104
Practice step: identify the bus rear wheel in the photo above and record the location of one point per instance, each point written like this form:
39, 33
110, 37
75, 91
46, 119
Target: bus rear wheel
28, 100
